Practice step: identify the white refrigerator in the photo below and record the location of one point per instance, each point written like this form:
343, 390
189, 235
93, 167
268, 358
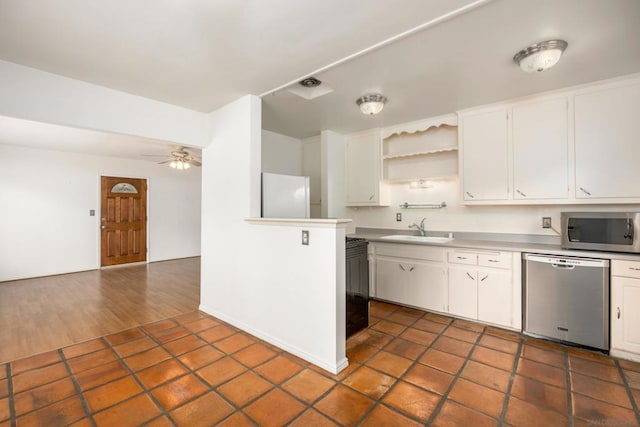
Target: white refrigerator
285, 196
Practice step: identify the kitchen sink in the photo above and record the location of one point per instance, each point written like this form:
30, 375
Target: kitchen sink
425, 239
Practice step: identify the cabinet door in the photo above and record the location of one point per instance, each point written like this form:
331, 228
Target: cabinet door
364, 164
495, 297
540, 157
625, 314
463, 292
485, 163
391, 284
606, 138
426, 286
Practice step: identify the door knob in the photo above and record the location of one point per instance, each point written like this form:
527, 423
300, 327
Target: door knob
103, 227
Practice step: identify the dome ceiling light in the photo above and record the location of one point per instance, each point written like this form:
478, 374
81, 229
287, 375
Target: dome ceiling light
371, 104
540, 56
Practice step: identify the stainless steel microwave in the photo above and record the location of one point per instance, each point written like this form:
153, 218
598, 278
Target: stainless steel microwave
601, 231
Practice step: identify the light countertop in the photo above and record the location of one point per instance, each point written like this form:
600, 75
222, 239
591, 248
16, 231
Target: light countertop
544, 245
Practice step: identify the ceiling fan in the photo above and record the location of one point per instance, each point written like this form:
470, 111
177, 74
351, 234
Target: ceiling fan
181, 159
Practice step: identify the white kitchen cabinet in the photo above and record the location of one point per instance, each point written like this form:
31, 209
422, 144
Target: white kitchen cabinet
483, 138
480, 293
311, 167
625, 309
364, 169
495, 297
410, 276
540, 150
606, 142
463, 292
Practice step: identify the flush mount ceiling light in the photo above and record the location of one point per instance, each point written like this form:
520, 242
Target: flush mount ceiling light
540, 56
371, 104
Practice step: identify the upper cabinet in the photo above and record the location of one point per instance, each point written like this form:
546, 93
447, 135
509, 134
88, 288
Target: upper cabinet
364, 169
484, 159
569, 147
421, 150
540, 162
607, 147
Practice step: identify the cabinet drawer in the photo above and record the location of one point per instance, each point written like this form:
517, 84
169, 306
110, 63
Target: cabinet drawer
463, 257
625, 268
427, 253
496, 259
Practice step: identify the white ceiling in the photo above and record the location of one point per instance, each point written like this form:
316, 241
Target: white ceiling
202, 54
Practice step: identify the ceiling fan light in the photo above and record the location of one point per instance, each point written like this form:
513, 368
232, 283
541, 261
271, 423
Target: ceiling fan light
173, 164
371, 104
540, 56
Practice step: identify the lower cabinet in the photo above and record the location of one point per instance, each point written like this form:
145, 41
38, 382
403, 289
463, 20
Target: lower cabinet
478, 285
625, 309
411, 282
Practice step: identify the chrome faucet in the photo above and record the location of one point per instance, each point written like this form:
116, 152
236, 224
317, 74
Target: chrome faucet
419, 227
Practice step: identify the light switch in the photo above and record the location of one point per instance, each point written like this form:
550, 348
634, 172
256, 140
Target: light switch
92, 212
305, 237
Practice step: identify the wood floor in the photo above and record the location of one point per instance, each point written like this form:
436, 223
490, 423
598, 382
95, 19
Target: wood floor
42, 314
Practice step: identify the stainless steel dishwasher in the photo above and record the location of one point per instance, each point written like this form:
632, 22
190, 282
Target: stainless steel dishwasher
567, 299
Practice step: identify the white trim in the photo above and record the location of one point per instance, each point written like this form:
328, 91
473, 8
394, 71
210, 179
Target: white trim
627, 355
327, 366
300, 222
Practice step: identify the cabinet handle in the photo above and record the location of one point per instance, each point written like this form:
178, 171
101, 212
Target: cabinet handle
634, 268
469, 194
471, 277
521, 193
371, 197
401, 267
411, 269
585, 191
461, 257
482, 280
494, 260
618, 312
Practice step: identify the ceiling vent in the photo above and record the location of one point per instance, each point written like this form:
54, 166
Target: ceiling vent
309, 88
310, 82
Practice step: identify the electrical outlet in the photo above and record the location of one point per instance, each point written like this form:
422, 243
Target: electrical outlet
399, 216
546, 222
305, 237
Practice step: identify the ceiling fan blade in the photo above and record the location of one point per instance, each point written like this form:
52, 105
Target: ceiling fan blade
153, 155
165, 162
195, 162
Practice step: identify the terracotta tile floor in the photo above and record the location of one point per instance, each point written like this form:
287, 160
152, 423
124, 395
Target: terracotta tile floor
409, 368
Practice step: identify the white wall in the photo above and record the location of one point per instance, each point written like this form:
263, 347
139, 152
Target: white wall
259, 277
311, 167
281, 154
45, 198
32, 94
456, 217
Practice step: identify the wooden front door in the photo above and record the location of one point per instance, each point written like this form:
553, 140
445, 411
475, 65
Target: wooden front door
123, 220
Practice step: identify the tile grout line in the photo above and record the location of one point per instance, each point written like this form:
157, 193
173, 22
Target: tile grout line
214, 388
12, 409
137, 380
456, 377
512, 378
77, 388
567, 366
377, 402
634, 406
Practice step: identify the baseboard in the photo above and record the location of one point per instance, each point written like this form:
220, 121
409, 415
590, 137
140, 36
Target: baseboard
327, 366
627, 355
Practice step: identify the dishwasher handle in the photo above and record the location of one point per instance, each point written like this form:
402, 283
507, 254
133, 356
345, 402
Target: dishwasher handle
566, 261
563, 266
